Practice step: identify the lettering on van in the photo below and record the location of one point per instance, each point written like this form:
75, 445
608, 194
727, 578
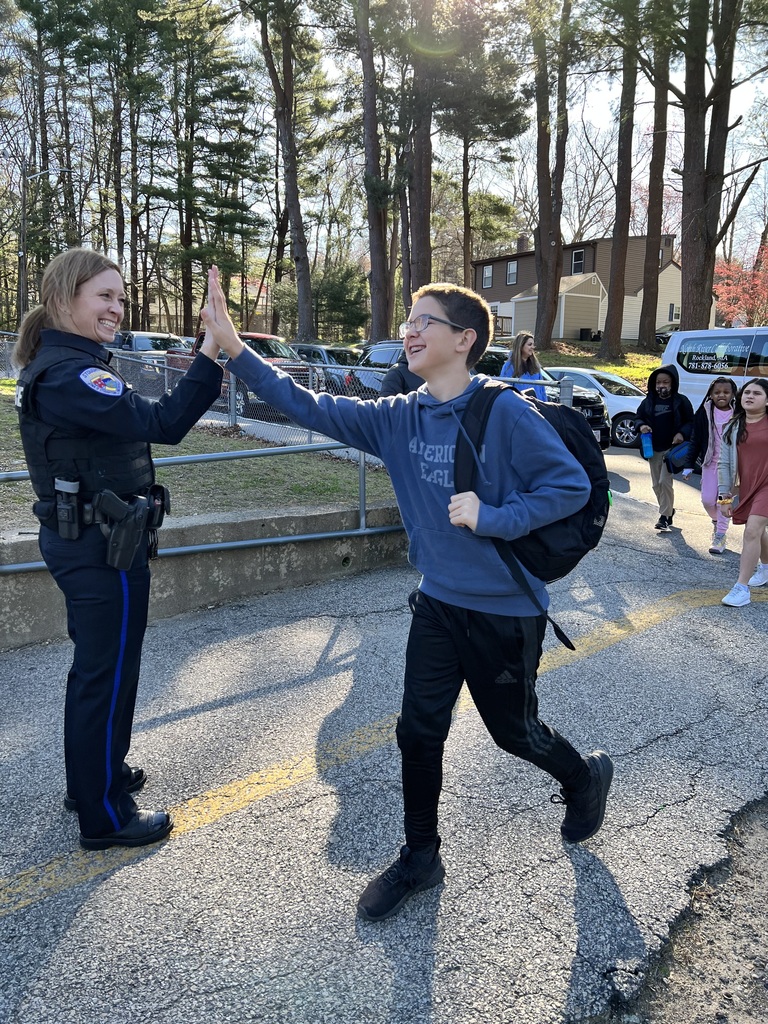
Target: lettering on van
701, 365
716, 355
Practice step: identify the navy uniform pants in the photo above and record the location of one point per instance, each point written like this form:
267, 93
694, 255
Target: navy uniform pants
498, 656
106, 621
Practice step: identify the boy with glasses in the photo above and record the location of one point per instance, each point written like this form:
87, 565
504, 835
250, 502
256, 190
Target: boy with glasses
471, 621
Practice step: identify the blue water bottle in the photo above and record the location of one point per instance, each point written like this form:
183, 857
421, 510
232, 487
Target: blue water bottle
646, 445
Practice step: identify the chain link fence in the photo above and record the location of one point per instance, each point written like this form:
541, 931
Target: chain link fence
7, 341
154, 376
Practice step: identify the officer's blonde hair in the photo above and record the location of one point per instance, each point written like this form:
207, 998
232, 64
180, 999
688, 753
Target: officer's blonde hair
61, 280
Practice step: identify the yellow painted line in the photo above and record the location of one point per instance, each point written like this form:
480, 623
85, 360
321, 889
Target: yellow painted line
40, 881
37, 883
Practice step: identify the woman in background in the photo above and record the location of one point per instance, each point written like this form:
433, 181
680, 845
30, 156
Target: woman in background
522, 364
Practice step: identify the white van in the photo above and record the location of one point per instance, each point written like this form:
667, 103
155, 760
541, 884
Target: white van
700, 356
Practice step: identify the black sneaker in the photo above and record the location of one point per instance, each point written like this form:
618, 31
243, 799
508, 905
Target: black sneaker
661, 523
584, 812
664, 524
412, 872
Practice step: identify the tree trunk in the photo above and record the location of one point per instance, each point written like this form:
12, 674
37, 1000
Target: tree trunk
281, 236
283, 90
548, 240
134, 226
69, 218
648, 312
610, 346
405, 235
185, 168
421, 163
466, 242
376, 190
704, 157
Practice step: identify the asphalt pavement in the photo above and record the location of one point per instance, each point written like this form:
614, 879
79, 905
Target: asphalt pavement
268, 727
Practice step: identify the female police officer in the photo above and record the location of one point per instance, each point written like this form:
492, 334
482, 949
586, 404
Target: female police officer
86, 437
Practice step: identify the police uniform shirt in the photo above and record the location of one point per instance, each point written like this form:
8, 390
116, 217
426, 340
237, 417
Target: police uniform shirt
83, 391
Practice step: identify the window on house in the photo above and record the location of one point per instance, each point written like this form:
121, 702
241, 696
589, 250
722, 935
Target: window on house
577, 261
488, 276
674, 313
512, 272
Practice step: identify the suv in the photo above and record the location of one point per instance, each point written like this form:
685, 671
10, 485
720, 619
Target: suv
365, 377
664, 333
588, 402
334, 361
274, 350
155, 342
145, 351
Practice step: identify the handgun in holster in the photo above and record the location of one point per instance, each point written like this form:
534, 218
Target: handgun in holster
126, 527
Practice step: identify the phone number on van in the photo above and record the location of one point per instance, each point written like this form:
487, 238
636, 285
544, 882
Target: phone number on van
708, 365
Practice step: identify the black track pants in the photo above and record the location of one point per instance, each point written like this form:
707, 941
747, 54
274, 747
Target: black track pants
498, 656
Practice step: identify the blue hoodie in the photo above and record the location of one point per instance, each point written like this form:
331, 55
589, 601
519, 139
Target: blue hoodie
526, 477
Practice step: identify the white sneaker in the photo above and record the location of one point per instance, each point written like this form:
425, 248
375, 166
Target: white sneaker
761, 576
717, 547
737, 596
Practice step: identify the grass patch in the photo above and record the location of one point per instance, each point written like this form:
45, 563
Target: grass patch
635, 366
271, 484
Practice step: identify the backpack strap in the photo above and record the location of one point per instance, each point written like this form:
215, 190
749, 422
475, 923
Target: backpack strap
474, 421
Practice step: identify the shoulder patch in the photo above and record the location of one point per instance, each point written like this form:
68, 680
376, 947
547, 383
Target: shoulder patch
102, 381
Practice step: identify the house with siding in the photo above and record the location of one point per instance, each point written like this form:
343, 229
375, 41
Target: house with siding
508, 283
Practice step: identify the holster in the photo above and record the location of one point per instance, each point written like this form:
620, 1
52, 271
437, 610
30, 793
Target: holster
125, 527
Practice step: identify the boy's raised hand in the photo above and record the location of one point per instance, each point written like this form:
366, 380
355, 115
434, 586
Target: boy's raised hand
218, 324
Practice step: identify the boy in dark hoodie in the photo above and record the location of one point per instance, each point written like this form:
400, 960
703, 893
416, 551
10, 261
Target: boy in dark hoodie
668, 415
398, 380
471, 621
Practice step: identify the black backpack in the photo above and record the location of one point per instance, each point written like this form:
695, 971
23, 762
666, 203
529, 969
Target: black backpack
552, 551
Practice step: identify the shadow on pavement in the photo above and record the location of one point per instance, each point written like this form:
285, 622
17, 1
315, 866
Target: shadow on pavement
609, 942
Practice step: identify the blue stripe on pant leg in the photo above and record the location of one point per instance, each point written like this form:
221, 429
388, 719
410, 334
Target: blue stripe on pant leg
115, 690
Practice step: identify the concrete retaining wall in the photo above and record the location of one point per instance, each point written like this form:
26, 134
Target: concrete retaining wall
32, 607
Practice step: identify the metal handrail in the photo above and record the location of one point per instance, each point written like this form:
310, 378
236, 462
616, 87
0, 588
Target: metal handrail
362, 530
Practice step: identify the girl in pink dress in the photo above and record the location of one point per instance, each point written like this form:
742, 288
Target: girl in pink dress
744, 462
710, 419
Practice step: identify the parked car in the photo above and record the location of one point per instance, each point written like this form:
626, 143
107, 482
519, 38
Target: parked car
146, 353
154, 343
664, 333
365, 377
334, 361
621, 397
274, 350
588, 401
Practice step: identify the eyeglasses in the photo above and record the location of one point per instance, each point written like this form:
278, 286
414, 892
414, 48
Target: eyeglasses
421, 323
